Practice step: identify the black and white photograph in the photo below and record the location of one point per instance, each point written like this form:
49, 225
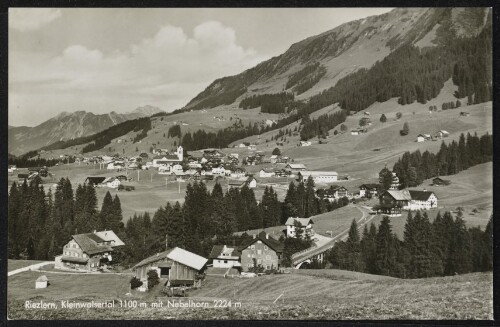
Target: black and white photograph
250, 163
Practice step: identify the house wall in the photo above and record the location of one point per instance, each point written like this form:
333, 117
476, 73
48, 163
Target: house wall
177, 271
264, 255
224, 263
290, 230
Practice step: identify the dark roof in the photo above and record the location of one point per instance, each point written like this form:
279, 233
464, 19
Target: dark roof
216, 251
95, 180
89, 243
370, 186
420, 195
153, 258
271, 242
74, 259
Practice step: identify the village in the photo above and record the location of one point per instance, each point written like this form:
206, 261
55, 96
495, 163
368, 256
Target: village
178, 269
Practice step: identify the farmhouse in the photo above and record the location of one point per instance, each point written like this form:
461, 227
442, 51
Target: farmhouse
333, 193
305, 223
293, 167
251, 182
178, 266
438, 181
441, 134
223, 256
94, 181
265, 174
358, 131
393, 202
236, 184
422, 200
90, 251
423, 137
319, 176
368, 190
304, 143
262, 250
111, 182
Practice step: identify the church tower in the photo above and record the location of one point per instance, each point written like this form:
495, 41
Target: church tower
180, 153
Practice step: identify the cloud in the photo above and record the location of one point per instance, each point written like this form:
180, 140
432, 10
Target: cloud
164, 69
27, 19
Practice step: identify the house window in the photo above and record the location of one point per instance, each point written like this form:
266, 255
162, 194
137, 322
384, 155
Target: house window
265, 247
259, 261
225, 261
268, 267
268, 257
249, 255
259, 252
252, 247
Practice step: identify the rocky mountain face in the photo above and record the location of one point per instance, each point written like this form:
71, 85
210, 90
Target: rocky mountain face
66, 126
322, 60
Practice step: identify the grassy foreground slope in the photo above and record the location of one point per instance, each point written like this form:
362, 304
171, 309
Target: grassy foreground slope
305, 296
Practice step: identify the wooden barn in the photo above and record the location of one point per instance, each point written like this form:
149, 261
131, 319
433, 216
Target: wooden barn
178, 266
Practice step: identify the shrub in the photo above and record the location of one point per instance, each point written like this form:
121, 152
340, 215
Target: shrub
399, 115
405, 130
153, 279
135, 283
383, 118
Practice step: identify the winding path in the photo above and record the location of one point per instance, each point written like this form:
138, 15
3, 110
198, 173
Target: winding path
28, 268
324, 245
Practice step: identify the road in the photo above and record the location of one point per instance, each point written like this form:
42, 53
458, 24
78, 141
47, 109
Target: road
32, 267
324, 243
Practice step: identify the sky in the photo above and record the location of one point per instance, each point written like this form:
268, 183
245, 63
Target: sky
101, 60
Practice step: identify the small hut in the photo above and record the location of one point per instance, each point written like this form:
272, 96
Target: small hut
42, 282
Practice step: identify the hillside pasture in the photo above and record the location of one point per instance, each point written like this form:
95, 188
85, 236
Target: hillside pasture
321, 294
68, 286
17, 264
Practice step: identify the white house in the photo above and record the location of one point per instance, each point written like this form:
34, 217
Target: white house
238, 174
320, 176
177, 168
251, 182
304, 143
111, 182
422, 200
420, 138
165, 170
252, 147
218, 171
224, 256
306, 226
265, 174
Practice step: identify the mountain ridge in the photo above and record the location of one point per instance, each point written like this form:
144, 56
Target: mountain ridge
69, 125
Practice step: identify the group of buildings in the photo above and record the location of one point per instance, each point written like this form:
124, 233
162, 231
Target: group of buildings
427, 137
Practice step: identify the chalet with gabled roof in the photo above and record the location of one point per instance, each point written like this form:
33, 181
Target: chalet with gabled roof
224, 256
89, 251
368, 190
263, 250
178, 266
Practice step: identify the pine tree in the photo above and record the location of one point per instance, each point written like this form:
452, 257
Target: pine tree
116, 223
107, 212
355, 261
386, 252
311, 204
